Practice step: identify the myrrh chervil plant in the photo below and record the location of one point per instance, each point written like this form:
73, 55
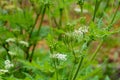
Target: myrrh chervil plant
69, 29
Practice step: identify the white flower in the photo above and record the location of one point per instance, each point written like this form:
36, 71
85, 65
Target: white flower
11, 53
8, 64
77, 34
10, 40
24, 43
3, 70
83, 29
79, 10
80, 31
59, 56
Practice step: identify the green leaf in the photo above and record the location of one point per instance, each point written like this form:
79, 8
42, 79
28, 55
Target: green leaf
107, 78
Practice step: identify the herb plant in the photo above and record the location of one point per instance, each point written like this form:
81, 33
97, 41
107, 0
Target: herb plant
68, 29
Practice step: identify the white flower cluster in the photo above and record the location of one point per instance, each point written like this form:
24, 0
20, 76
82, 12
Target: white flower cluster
24, 43
11, 53
20, 42
10, 40
59, 56
8, 65
80, 31
3, 71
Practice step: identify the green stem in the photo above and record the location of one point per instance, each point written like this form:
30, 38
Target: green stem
66, 13
70, 47
55, 67
97, 4
43, 13
33, 26
111, 23
72, 50
31, 31
60, 20
78, 68
9, 56
102, 14
80, 3
109, 27
30, 35
54, 19
41, 20
115, 14
81, 60
96, 51
81, 6
70, 75
56, 70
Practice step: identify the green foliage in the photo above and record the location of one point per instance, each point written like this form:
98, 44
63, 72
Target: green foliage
48, 40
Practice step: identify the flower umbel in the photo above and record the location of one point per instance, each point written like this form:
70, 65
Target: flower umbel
10, 40
59, 56
78, 32
24, 43
11, 53
81, 31
2, 71
8, 64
